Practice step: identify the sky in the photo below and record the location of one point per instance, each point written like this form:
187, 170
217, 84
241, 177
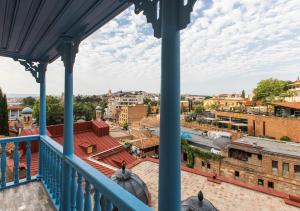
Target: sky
230, 45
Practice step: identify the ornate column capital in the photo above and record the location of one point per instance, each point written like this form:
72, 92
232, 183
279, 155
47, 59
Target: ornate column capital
68, 48
152, 10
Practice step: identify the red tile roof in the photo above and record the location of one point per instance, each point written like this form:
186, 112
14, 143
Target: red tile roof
88, 133
295, 105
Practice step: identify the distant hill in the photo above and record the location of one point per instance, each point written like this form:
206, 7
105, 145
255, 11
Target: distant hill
21, 95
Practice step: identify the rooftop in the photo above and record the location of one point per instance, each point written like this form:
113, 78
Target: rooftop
270, 145
106, 158
294, 105
224, 196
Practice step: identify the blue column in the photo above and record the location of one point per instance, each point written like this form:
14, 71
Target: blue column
169, 152
43, 101
42, 115
68, 50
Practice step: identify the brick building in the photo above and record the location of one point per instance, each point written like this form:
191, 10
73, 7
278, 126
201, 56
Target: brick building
259, 125
258, 161
132, 113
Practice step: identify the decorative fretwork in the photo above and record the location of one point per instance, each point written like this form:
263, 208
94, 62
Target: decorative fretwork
152, 10
34, 67
186, 8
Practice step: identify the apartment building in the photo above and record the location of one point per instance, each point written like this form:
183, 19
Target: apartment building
118, 100
294, 90
226, 102
132, 113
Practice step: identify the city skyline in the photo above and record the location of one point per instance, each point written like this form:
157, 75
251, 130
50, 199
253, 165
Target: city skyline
229, 46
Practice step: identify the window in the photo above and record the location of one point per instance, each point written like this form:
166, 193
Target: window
264, 128
202, 163
260, 182
285, 169
275, 166
270, 184
208, 165
297, 171
236, 173
259, 157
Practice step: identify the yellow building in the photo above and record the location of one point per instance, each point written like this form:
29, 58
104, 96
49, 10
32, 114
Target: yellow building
226, 103
132, 113
184, 106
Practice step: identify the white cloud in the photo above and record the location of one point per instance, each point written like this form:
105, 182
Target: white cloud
226, 42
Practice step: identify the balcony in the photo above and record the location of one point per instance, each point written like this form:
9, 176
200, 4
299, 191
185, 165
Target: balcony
35, 34
87, 184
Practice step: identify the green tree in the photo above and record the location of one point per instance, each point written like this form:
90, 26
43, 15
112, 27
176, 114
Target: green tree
28, 101
199, 109
267, 90
146, 101
85, 110
4, 129
243, 94
54, 110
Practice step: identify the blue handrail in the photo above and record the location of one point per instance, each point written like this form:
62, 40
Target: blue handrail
19, 139
87, 175
111, 190
88, 184
16, 180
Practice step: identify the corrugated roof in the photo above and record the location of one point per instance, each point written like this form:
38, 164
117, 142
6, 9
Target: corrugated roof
268, 145
84, 133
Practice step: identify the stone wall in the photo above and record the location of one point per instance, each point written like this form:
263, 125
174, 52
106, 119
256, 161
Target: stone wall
254, 169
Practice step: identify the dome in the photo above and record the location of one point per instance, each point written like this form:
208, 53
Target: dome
27, 110
197, 203
98, 108
132, 183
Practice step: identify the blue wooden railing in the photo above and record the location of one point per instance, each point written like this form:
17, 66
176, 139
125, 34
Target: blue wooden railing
89, 187
16, 141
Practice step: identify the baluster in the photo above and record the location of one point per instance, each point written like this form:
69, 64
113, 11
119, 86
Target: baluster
16, 163
41, 158
60, 180
28, 160
51, 178
73, 190
79, 196
87, 200
97, 206
57, 178
47, 166
108, 205
42, 154
3, 165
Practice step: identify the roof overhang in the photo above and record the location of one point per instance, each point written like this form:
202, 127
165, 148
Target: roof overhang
32, 29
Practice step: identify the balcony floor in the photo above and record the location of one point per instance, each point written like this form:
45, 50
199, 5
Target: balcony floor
31, 196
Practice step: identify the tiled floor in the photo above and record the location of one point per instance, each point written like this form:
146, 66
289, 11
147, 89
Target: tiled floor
225, 197
27, 197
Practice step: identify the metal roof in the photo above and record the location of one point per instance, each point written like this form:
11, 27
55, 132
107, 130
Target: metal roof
270, 146
32, 29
